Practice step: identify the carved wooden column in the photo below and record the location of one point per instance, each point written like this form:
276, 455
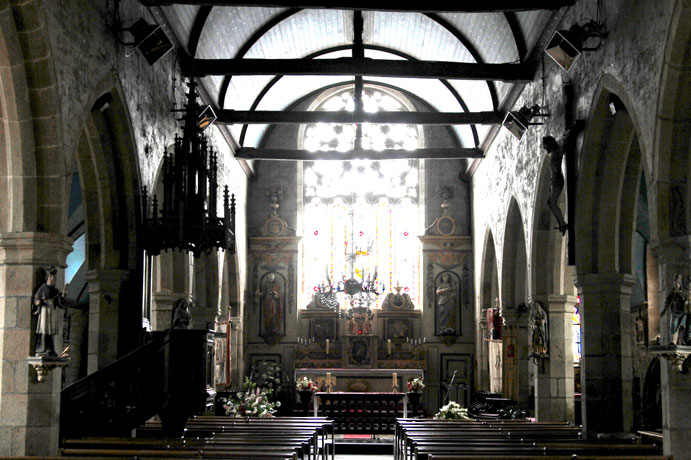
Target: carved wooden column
29, 409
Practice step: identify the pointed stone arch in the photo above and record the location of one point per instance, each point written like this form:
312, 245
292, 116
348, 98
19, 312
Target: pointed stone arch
671, 209
488, 292
610, 172
514, 289
108, 169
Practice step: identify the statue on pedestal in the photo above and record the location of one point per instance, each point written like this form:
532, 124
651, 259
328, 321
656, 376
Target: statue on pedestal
47, 299
540, 330
678, 303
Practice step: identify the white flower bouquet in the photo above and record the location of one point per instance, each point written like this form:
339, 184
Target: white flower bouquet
453, 411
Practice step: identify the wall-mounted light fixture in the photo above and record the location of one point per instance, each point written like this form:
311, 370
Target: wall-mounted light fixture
567, 45
517, 122
150, 40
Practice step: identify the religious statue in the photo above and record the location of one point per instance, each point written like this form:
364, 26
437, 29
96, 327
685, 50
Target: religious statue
540, 329
359, 321
495, 321
447, 305
272, 307
556, 184
678, 303
47, 299
181, 314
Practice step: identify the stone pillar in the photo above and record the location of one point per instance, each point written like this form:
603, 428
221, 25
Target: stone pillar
606, 367
554, 386
29, 411
675, 386
516, 356
104, 315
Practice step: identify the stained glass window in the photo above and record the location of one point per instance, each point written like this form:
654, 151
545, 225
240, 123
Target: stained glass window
576, 331
363, 207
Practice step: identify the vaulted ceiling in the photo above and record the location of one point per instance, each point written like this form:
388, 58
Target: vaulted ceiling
256, 60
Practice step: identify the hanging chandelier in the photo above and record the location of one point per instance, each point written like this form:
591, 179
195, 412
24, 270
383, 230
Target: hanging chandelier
187, 218
361, 289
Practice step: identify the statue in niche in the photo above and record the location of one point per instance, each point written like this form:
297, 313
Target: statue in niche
556, 184
397, 301
678, 303
447, 303
540, 329
181, 314
272, 308
47, 299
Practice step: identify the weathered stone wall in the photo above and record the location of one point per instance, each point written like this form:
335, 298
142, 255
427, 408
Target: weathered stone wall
632, 53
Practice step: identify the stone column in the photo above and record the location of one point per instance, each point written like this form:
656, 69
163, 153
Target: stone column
606, 367
554, 386
29, 411
675, 386
104, 315
516, 372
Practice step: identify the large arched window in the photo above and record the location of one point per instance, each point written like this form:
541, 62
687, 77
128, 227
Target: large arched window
365, 208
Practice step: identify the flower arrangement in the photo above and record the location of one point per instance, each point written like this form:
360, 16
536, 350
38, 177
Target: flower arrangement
415, 385
305, 384
253, 401
452, 411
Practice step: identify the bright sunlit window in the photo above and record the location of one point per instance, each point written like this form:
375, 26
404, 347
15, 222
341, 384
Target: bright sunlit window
363, 207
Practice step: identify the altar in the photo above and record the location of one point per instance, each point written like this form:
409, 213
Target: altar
360, 380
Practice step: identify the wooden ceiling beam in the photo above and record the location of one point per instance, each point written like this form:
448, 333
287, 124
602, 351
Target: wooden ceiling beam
412, 118
437, 6
519, 72
249, 153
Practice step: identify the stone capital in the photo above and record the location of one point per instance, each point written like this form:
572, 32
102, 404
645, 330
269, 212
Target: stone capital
604, 282
106, 279
34, 248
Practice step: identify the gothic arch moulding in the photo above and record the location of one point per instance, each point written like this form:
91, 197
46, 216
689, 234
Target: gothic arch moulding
610, 167
514, 265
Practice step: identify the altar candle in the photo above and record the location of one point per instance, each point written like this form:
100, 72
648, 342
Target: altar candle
395, 381
327, 346
388, 345
328, 382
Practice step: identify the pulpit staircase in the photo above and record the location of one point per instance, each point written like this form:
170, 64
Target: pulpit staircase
169, 376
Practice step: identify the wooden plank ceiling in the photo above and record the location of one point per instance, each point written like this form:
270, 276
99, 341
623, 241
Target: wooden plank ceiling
257, 59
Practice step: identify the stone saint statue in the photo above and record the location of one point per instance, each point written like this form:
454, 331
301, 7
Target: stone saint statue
447, 302
556, 184
47, 300
676, 303
538, 324
181, 314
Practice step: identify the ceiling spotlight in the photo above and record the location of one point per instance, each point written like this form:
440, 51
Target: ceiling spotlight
517, 122
150, 40
567, 45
